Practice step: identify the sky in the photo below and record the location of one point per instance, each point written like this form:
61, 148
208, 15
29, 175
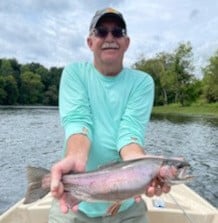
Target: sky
54, 32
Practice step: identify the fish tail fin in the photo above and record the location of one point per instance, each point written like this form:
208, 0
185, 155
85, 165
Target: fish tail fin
38, 183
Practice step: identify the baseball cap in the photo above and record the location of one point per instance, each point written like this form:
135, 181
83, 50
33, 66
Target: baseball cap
107, 13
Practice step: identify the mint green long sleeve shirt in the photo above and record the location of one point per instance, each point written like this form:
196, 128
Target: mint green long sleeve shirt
112, 111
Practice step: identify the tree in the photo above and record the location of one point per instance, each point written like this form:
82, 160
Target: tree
9, 71
30, 83
31, 88
154, 67
45, 77
6, 68
3, 93
210, 79
167, 77
51, 96
30, 67
55, 75
16, 71
172, 73
11, 90
183, 69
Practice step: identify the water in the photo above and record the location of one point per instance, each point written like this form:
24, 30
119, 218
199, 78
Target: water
33, 136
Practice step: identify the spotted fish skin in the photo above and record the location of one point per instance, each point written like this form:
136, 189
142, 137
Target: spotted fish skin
114, 183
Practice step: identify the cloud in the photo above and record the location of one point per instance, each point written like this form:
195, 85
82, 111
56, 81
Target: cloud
54, 33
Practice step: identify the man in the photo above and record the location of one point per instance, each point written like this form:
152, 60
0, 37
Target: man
105, 109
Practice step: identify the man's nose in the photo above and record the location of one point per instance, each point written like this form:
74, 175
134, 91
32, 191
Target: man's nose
109, 36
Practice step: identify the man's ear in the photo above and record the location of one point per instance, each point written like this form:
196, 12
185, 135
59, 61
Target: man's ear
127, 42
89, 42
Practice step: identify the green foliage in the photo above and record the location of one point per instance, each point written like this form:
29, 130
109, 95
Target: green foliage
155, 68
51, 96
172, 73
8, 83
31, 88
6, 67
11, 89
183, 71
3, 93
210, 80
28, 84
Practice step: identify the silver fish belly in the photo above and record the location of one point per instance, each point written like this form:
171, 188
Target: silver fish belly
112, 183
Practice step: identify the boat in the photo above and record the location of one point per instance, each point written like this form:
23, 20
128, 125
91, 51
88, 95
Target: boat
181, 205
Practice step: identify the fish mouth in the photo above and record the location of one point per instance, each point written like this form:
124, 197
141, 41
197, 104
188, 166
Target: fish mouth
181, 175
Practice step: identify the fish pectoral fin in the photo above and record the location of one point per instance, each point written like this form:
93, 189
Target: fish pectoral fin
71, 201
114, 208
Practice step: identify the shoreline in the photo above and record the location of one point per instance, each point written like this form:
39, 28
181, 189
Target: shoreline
28, 107
207, 110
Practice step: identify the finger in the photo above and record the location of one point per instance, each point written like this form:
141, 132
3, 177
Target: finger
59, 191
150, 191
158, 190
166, 188
167, 171
55, 180
154, 182
63, 204
158, 181
138, 199
75, 208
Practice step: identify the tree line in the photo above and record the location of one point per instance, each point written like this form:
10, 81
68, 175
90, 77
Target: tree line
175, 81
28, 84
34, 84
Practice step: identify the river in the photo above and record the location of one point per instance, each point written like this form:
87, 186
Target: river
33, 136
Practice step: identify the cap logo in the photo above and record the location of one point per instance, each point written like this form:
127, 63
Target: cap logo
105, 13
110, 10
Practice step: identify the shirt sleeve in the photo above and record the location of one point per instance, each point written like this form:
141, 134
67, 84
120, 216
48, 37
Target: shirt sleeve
75, 113
137, 114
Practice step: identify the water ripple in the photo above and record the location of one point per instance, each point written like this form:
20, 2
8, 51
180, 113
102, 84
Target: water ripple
34, 137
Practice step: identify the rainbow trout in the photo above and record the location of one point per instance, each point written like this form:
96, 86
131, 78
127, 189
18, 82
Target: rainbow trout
113, 183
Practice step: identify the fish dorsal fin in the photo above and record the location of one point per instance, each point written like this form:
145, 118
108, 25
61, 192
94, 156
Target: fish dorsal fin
118, 163
108, 165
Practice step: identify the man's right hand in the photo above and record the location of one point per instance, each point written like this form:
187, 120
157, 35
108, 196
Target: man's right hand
58, 170
75, 161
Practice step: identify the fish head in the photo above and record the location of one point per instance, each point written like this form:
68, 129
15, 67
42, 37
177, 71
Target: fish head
176, 171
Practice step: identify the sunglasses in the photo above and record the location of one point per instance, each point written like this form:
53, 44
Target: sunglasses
116, 32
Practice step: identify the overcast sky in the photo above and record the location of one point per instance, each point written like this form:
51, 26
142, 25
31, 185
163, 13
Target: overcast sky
53, 32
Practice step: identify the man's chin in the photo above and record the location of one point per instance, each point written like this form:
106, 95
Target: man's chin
110, 59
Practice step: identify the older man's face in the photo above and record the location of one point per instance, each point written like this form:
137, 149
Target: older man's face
108, 47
